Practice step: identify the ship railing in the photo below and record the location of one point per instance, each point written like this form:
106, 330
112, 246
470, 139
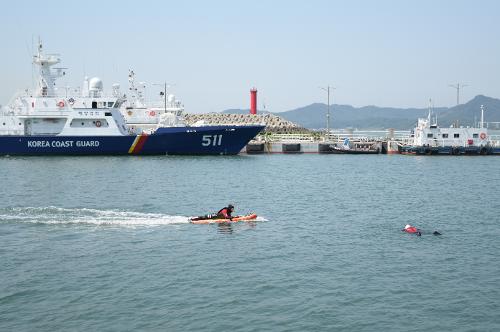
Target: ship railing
494, 140
492, 125
353, 138
11, 132
18, 94
341, 135
171, 106
290, 137
62, 93
47, 112
457, 142
369, 135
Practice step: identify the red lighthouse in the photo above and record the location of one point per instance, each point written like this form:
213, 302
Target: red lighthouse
253, 101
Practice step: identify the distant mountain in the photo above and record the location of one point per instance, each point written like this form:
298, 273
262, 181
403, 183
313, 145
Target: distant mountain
372, 117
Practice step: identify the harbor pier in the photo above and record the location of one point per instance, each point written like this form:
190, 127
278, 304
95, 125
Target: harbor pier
337, 142
281, 136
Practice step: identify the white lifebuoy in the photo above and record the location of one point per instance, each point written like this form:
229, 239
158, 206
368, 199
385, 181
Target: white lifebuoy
60, 104
482, 136
98, 124
152, 113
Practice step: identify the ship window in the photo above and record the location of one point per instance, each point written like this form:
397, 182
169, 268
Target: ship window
94, 104
107, 114
110, 104
456, 135
475, 135
83, 124
429, 135
445, 135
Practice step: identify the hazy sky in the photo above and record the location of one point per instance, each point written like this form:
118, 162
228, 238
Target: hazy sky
386, 53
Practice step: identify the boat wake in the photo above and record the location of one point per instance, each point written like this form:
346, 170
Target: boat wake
57, 215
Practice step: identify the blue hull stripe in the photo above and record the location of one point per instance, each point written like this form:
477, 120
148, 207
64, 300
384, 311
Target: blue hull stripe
213, 140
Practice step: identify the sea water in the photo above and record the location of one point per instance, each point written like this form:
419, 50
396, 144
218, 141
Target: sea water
104, 244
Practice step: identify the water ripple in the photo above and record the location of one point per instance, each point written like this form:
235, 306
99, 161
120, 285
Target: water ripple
112, 250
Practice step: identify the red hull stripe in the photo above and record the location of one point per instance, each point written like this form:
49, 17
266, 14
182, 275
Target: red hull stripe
140, 144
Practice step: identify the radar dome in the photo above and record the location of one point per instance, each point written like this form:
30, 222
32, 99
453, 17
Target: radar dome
95, 83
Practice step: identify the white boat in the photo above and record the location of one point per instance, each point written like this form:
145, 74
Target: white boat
50, 120
429, 139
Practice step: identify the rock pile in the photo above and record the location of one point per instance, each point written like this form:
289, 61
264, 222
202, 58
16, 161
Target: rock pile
273, 123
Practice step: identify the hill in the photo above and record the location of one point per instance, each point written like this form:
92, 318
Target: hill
373, 117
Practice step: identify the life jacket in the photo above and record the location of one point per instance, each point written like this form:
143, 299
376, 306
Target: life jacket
224, 213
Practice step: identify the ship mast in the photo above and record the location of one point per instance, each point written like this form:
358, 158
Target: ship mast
482, 116
47, 77
430, 112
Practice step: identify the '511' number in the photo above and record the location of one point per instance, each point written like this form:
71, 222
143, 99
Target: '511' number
213, 140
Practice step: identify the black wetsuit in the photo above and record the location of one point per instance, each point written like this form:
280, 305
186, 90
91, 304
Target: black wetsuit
224, 213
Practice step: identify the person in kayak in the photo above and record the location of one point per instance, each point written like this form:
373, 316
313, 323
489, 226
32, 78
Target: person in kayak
225, 212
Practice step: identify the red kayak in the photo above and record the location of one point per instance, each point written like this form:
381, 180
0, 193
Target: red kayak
249, 217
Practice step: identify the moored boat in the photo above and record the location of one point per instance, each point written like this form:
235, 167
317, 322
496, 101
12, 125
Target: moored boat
349, 147
429, 139
60, 121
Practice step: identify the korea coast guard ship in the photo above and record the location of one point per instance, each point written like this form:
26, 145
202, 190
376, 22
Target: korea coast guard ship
430, 139
51, 121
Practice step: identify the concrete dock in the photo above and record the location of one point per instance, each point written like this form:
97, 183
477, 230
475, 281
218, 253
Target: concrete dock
366, 142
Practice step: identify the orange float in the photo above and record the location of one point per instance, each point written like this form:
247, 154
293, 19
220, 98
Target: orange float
248, 217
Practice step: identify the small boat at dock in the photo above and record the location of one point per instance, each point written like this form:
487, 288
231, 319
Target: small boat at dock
429, 139
356, 148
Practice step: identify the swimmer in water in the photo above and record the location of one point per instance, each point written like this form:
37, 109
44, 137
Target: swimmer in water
414, 230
